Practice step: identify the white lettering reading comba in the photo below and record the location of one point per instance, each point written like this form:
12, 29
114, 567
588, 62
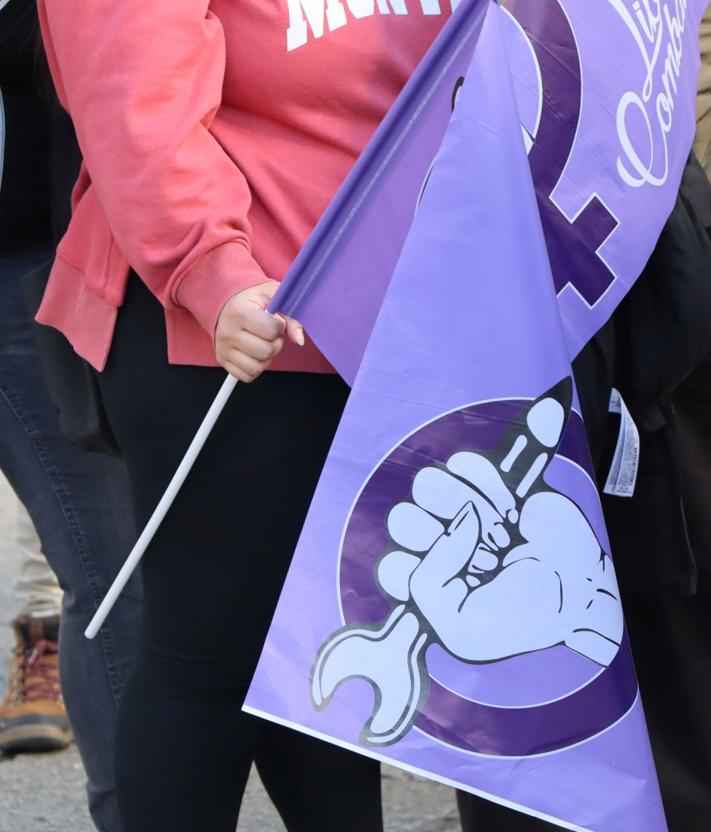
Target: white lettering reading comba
658, 34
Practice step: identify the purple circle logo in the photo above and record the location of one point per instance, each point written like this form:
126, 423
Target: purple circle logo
478, 600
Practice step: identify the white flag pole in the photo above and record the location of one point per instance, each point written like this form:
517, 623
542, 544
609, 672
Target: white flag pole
132, 561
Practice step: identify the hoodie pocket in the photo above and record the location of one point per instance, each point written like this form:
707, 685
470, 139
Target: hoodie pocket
89, 246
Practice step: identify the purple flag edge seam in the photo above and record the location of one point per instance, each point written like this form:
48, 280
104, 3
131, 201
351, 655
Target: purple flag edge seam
373, 162
403, 766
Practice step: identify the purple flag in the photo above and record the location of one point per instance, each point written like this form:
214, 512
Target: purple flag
452, 606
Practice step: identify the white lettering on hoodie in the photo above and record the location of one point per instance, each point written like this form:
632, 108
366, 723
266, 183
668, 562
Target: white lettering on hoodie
316, 15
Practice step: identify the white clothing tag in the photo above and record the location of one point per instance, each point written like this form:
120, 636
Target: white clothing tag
625, 463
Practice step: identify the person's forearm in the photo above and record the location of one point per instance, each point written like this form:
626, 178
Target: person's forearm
142, 80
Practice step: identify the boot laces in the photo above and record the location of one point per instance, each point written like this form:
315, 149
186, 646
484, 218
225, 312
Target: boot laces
36, 675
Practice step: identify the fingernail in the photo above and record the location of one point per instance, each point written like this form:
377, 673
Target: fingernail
299, 335
460, 518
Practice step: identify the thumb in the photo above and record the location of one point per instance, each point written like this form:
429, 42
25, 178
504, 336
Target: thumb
452, 551
295, 331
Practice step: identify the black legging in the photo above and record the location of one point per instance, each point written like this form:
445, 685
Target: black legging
212, 577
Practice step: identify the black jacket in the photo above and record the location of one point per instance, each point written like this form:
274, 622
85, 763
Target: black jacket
656, 350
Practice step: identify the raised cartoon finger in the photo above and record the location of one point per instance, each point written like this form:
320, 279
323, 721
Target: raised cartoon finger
449, 555
440, 493
444, 494
485, 477
413, 528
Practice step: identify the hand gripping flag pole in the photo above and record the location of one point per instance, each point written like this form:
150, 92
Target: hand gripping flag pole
418, 103
166, 501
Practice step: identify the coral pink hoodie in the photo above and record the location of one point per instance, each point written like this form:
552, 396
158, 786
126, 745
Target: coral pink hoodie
214, 134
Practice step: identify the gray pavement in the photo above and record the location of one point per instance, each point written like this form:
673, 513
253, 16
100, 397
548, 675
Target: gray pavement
46, 791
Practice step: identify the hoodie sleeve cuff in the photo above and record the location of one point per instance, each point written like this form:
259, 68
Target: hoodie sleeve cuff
216, 277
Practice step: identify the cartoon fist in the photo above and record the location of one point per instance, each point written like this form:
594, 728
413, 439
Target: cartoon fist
487, 561
494, 581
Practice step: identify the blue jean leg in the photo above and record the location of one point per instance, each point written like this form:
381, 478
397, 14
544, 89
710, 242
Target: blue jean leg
80, 505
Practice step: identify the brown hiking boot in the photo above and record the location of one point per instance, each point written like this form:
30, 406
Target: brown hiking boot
32, 716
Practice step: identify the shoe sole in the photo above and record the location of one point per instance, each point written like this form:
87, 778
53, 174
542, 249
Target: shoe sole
22, 739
